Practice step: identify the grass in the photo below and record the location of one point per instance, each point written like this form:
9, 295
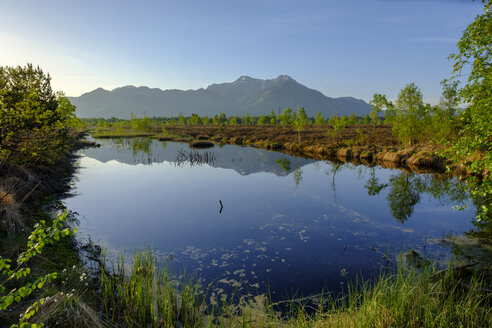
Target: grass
144, 295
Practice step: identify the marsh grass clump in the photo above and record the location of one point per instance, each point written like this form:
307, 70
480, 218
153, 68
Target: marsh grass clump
67, 310
144, 295
195, 157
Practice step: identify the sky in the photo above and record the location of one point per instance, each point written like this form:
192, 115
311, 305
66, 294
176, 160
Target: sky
341, 48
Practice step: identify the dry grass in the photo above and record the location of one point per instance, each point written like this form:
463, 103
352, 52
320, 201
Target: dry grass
67, 310
11, 218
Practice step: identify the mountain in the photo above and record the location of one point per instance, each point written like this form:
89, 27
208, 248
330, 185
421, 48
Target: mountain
244, 96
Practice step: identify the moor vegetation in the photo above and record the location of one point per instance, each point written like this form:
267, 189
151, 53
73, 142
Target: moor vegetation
42, 281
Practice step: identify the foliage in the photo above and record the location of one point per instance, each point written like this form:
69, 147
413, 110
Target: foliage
378, 104
474, 143
140, 124
411, 114
41, 236
287, 117
263, 120
273, 118
34, 121
300, 122
319, 119
338, 124
195, 119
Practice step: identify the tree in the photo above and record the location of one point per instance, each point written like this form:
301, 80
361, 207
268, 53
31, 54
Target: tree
195, 119
206, 120
442, 118
222, 119
352, 119
378, 103
300, 122
263, 120
32, 122
247, 120
319, 119
181, 119
286, 117
337, 124
273, 118
475, 122
411, 115
233, 121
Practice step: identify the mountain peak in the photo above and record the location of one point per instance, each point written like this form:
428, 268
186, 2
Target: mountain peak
244, 78
284, 78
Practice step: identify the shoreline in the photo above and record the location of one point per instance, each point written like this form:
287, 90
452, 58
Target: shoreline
317, 143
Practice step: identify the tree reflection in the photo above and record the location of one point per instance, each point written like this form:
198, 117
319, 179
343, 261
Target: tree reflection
297, 176
373, 185
141, 145
284, 164
403, 195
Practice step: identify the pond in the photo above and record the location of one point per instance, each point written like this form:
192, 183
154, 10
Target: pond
253, 221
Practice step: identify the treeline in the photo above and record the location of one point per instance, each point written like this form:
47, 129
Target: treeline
287, 117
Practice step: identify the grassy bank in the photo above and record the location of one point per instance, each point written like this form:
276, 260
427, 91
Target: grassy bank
145, 295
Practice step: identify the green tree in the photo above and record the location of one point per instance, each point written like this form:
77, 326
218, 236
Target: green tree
216, 120
32, 122
286, 117
222, 119
378, 104
475, 122
233, 121
300, 122
338, 124
206, 120
273, 118
195, 119
410, 121
352, 119
319, 119
247, 120
263, 120
181, 119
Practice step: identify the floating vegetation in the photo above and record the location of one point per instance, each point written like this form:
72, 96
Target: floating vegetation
195, 157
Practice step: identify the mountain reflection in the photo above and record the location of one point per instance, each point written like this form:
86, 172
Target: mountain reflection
244, 160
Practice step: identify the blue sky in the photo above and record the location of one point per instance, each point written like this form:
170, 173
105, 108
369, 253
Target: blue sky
341, 48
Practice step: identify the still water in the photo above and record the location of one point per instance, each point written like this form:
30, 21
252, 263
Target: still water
286, 224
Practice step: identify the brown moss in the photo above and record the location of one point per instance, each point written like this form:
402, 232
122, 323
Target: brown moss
344, 154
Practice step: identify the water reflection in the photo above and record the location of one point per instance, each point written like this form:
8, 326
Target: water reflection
271, 233
148, 152
407, 188
373, 185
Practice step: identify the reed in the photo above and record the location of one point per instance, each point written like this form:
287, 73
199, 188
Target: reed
144, 295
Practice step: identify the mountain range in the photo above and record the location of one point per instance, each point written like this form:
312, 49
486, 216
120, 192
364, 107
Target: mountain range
244, 96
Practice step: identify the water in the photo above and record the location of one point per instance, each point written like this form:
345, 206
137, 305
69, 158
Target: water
289, 225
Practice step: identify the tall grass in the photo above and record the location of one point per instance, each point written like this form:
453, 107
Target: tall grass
143, 295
